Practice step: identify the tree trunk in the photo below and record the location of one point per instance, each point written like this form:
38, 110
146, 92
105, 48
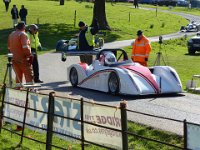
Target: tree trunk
99, 13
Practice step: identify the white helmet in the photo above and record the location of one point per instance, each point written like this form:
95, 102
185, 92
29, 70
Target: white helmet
110, 58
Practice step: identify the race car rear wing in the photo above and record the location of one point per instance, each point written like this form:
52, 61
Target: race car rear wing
67, 53
78, 52
71, 49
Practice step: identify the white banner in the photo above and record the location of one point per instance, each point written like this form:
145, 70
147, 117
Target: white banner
36, 101
105, 116
67, 108
193, 136
63, 107
18, 98
102, 115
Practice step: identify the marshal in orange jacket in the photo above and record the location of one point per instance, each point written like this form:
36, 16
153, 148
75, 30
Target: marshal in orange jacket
19, 45
141, 50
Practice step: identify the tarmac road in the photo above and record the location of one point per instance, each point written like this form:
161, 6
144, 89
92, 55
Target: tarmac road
183, 106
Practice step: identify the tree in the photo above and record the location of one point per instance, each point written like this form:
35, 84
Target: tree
99, 13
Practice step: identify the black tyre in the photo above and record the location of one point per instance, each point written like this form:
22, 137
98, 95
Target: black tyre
191, 51
113, 83
73, 77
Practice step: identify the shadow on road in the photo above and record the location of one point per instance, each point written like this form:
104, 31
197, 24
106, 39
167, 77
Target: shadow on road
61, 88
89, 94
52, 85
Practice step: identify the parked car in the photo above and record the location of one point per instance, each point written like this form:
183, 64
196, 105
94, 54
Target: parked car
194, 44
182, 3
164, 2
145, 1
192, 26
120, 75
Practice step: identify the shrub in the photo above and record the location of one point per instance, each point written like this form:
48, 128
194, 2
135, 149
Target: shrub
88, 6
163, 25
151, 26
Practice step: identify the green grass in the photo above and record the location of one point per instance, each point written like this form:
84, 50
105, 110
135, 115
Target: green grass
142, 144
57, 22
10, 141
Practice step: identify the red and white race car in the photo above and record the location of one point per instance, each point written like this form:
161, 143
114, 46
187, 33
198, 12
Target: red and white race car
113, 72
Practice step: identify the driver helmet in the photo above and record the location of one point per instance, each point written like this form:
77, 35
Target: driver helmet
110, 58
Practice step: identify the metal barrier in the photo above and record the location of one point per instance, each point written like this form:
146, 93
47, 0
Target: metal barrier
51, 116
157, 141
86, 123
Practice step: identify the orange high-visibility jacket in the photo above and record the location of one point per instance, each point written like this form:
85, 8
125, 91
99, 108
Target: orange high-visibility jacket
19, 45
141, 49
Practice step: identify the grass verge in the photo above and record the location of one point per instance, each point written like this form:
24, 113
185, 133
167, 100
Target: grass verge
10, 141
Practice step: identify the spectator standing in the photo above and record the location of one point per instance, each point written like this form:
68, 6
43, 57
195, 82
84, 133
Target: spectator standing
141, 49
35, 46
23, 13
86, 40
15, 16
189, 5
135, 3
6, 2
19, 46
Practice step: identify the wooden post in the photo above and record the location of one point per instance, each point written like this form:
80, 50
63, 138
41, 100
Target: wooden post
74, 18
124, 125
82, 125
50, 118
38, 21
2, 106
156, 10
24, 120
185, 133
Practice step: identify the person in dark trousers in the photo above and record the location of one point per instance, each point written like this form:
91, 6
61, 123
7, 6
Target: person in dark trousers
6, 2
135, 3
23, 13
15, 16
35, 46
86, 40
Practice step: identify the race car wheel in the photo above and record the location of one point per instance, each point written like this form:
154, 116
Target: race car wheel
113, 83
73, 76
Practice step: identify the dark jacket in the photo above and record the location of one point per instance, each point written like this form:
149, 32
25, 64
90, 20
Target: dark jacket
83, 44
14, 13
23, 13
